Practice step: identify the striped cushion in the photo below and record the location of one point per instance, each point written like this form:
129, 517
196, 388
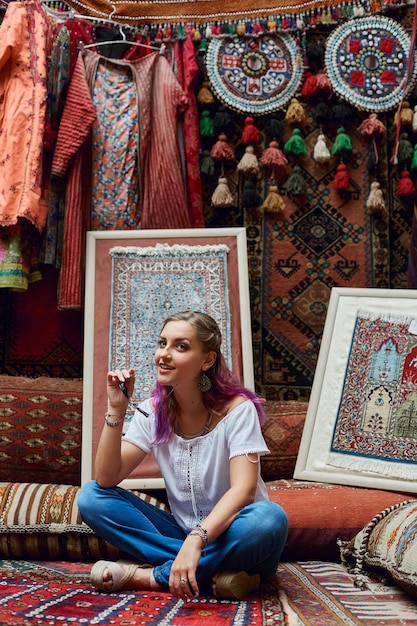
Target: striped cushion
40, 521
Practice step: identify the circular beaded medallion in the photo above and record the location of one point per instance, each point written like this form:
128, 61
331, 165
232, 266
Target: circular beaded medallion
254, 75
366, 62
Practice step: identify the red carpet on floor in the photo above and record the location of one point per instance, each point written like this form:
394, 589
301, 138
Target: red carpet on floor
60, 594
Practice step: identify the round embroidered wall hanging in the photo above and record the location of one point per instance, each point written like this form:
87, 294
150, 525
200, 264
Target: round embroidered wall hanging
254, 75
366, 62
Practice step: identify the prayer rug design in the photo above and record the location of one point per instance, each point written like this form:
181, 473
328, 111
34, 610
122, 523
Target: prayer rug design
59, 594
375, 428
324, 594
150, 283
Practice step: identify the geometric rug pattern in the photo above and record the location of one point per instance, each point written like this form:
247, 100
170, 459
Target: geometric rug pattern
304, 594
316, 593
59, 594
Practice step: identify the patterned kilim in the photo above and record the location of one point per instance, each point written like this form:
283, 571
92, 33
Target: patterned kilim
323, 594
326, 239
59, 594
40, 426
376, 423
150, 283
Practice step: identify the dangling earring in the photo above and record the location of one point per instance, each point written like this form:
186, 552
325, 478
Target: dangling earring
204, 383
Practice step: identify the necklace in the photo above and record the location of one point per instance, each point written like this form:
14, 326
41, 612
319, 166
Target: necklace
200, 433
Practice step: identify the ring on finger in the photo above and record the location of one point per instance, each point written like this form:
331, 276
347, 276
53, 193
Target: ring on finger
183, 581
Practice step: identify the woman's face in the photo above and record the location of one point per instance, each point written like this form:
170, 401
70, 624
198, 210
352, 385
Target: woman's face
180, 356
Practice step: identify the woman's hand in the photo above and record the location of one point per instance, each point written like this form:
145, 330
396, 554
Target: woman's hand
183, 581
117, 398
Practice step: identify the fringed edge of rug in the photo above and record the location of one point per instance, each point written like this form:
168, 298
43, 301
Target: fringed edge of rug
353, 558
176, 250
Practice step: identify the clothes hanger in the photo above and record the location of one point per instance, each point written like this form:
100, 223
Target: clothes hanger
71, 14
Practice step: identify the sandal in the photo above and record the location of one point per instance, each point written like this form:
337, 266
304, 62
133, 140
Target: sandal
236, 585
120, 576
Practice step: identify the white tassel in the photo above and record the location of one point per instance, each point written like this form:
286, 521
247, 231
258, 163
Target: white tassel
321, 152
249, 164
375, 202
222, 196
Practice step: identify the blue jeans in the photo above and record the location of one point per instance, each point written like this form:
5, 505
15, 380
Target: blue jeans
253, 542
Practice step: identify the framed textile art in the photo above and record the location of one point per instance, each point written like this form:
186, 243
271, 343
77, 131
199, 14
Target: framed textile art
361, 424
134, 280
254, 75
366, 62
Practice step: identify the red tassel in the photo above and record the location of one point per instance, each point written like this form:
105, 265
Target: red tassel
371, 126
273, 156
250, 133
341, 179
323, 84
309, 88
222, 151
405, 186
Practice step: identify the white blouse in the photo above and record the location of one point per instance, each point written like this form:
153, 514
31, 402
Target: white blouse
196, 471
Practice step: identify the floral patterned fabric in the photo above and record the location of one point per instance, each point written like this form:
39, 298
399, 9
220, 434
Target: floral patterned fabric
115, 188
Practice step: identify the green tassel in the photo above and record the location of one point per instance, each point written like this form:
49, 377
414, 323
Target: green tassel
207, 165
296, 185
414, 160
342, 143
206, 125
295, 144
405, 149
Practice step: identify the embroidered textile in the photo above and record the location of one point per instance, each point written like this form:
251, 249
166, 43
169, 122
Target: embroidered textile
376, 425
115, 184
150, 283
366, 62
23, 103
203, 10
254, 75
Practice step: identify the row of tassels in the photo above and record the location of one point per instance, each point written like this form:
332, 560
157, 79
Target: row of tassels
274, 160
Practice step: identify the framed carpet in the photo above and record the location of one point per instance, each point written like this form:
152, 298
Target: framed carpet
360, 425
134, 280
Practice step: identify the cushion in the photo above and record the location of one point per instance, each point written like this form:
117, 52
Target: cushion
42, 522
40, 429
282, 430
388, 543
320, 514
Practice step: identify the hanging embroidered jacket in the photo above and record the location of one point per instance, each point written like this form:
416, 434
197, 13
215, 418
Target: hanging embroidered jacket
162, 189
23, 63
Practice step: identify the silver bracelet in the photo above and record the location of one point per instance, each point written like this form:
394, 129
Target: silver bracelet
112, 424
201, 532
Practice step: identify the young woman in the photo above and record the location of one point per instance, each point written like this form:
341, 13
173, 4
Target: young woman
223, 535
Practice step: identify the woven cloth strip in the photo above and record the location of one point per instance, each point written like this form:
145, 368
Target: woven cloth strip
197, 10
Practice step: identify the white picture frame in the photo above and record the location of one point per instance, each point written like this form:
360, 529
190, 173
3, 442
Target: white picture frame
328, 387
98, 299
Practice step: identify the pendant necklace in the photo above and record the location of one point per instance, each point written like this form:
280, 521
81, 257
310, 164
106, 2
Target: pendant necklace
200, 433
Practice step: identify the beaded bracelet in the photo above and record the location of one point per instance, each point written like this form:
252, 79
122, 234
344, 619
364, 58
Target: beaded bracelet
201, 532
112, 424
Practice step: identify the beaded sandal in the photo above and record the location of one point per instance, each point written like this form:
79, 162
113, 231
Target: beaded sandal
236, 584
120, 576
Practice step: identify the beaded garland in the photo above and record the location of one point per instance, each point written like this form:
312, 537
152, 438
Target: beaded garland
366, 62
254, 75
